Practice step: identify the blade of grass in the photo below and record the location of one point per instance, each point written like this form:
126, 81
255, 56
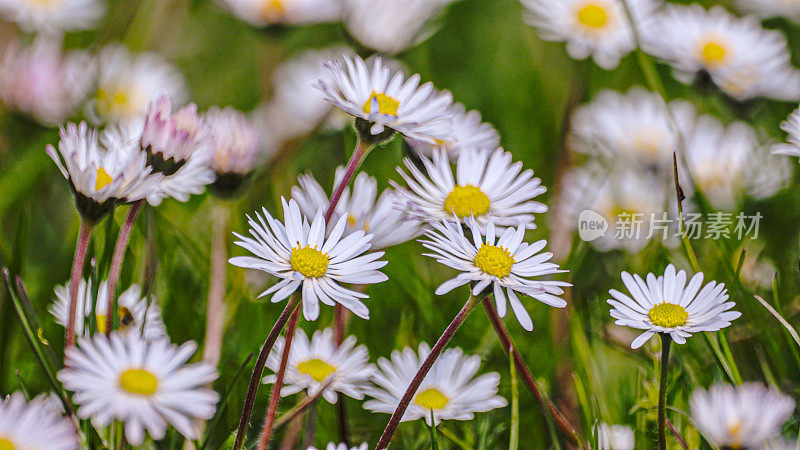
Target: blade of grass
513, 440
434, 437
454, 439
225, 397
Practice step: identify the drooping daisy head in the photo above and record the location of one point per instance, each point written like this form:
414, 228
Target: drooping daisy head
450, 391
135, 313
147, 385
485, 184
44, 82
468, 131
615, 437
52, 16
507, 265
364, 210
596, 28
745, 416
235, 148
322, 365
383, 102
261, 13
301, 255
34, 425
389, 26
667, 304
765, 9
342, 446
742, 58
128, 82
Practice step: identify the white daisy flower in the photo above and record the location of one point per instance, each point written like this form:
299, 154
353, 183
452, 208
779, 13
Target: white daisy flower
135, 314
145, 384
41, 80
53, 17
596, 28
669, 305
235, 149
746, 416
387, 224
261, 13
506, 264
128, 82
314, 364
342, 446
389, 26
765, 9
34, 425
615, 437
485, 184
301, 255
381, 100
741, 57
468, 131
792, 145
449, 390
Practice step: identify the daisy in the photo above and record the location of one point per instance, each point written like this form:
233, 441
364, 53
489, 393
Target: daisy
388, 224
34, 425
741, 57
669, 305
791, 126
486, 184
136, 314
301, 255
615, 437
342, 446
389, 26
765, 9
448, 392
262, 13
506, 264
44, 82
596, 28
127, 83
53, 17
746, 416
381, 100
320, 362
235, 149
468, 131
145, 384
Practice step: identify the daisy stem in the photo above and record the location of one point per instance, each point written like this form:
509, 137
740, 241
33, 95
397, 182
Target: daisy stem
116, 262
258, 370
437, 349
275, 395
666, 340
527, 377
301, 406
215, 311
81, 249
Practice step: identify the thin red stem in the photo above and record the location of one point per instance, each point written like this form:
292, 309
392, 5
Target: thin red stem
215, 312
77, 272
359, 153
116, 261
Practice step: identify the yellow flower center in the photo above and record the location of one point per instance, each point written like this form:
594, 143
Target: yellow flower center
352, 220
103, 179
309, 261
125, 318
138, 381
272, 10
431, 398
118, 101
495, 261
316, 368
386, 105
593, 16
713, 53
465, 201
6, 444
668, 315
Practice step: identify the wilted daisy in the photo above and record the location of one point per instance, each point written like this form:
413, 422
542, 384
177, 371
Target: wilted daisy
34, 425
789, 9
745, 416
145, 384
669, 305
389, 26
468, 131
449, 391
262, 13
320, 362
342, 446
506, 264
741, 57
52, 16
596, 28
135, 314
235, 149
300, 255
388, 224
41, 80
615, 437
128, 82
485, 184
384, 100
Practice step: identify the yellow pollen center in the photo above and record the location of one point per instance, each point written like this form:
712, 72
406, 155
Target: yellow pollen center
431, 398
593, 16
272, 10
495, 261
138, 381
713, 54
387, 106
465, 201
352, 220
668, 315
309, 261
316, 368
103, 179
6, 444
